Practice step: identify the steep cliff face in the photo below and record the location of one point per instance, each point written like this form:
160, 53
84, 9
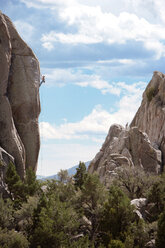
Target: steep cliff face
19, 98
143, 143
150, 117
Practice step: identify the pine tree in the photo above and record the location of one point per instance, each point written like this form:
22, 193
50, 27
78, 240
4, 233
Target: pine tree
15, 185
31, 183
117, 216
80, 175
93, 194
160, 241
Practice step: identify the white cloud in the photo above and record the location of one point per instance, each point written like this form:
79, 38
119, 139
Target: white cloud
69, 38
102, 85
39, 4
95, 26
107, 21
135, 88
92, 126
151, 10
95, 125
61, 77
118, 61
48, 45
25, 30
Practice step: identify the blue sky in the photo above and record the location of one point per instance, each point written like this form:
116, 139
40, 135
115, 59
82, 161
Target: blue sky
97, 56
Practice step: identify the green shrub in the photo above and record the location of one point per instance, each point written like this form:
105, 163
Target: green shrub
160, 240
150, 92
6, 211
156, 196
116, 244
12, 239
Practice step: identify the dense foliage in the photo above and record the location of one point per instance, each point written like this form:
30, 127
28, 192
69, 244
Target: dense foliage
80, 212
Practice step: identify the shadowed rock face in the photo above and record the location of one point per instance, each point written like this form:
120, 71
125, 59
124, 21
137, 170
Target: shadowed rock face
19, 98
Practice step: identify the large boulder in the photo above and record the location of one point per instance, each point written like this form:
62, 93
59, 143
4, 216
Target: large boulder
150, 117
140, 206
19, 98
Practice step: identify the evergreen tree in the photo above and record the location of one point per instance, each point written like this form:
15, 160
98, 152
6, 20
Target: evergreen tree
92, 196
31, 184
55, 220
80, 175
157, 196
63, 176
160, 240
15, 185
117, 216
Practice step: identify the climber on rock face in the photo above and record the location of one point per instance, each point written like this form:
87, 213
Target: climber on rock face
42, 80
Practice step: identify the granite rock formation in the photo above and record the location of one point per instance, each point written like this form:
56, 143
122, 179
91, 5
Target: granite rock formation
19, 98
150, 117
143, 143
125, 147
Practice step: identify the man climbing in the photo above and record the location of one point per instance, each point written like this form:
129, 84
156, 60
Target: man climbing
42, 80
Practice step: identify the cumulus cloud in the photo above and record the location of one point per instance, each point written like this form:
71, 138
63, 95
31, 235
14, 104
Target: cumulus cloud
61, 77
95, 26
106, 22
25, 29
95, 125
102, 85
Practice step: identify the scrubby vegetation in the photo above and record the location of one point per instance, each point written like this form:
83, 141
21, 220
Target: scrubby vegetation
80, 212
150, 92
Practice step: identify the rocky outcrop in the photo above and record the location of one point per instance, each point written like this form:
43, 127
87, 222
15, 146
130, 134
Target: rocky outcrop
19, 98
150, 117
143, 143
125, 147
